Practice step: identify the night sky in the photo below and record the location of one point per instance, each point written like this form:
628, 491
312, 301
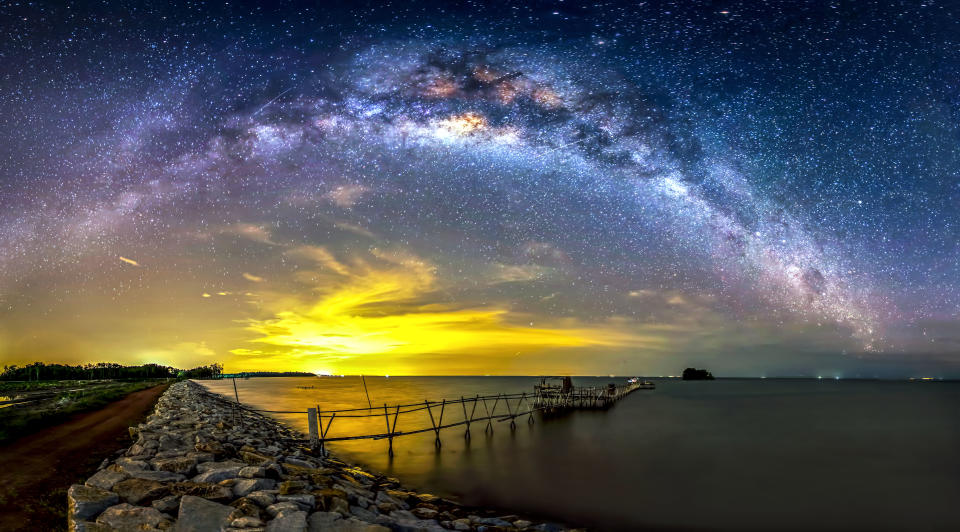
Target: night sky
501, 188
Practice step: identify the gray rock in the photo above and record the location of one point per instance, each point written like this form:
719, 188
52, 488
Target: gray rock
128, 464
252, 472
159, 476
245, 486
461, 524
425, 513
362, 513
304, 500
288, 522
275, 509
199, 515
171, 442
522, 523
184, 465
262, 498
338, 504
168, 505
321, 521
128, 517
106, 478
140, 490
491, 521
247, 521
212, 466
299, 463
216, 475
383, 496
84, 502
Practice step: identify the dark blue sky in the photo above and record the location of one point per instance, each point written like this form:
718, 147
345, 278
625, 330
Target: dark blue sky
614, 187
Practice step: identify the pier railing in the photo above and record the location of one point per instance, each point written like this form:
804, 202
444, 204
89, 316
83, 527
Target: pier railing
482, 409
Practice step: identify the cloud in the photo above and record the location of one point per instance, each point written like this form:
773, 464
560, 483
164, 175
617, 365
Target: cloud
346, 196
391, 302
252, 232
253, 278
129, 261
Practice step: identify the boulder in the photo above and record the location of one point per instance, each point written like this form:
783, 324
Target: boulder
140, 491
252, 472
199, 515
128, 464
213, 492
106, 479
262, 498
275, 509
216, 475
184, 465
298, 462
128, 517
244, 507
159, 476
168, 505
84, 502
213, 466
245, 486
326, 496
256, 459
247, 522
304, 500
424, 513
491, 521
288, 522
293, 486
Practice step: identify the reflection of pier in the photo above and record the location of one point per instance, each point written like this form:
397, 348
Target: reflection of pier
547, 398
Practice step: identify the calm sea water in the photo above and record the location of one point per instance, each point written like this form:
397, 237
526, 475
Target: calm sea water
726, 454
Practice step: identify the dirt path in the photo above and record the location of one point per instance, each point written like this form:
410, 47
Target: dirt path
36, 470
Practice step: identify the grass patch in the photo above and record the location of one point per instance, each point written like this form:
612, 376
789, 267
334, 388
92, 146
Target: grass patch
18, 421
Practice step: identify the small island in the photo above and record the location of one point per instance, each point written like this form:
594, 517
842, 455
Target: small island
693, 374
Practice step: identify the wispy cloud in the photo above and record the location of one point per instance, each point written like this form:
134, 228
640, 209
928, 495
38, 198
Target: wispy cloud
391, 302
253, 278
129, 261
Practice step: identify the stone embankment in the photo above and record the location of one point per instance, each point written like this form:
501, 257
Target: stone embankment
199, 465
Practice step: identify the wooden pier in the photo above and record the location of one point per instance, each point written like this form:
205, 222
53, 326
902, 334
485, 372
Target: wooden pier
552, 396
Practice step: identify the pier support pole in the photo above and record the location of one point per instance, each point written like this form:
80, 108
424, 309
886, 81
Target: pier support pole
466, 434
386, 418
312, 425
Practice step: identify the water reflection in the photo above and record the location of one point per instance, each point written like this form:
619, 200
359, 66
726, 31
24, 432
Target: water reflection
725, 454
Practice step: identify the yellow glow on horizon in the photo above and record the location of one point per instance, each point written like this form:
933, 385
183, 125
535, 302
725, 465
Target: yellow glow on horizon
375, 316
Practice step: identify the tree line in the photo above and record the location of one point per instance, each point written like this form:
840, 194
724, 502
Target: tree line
40, 371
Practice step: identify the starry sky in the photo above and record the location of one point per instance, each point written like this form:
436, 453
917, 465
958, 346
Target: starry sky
483, 188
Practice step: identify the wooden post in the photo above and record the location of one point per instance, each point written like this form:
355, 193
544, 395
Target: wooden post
237, 414
433, 423
312, 424
386, 418
466, 420
323, 433
513, 425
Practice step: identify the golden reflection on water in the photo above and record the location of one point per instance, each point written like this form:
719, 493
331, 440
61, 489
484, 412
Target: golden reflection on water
415, 454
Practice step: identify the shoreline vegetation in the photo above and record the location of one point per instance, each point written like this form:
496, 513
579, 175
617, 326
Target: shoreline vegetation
39, 395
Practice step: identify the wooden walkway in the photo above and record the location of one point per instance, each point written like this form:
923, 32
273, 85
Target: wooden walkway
547, 398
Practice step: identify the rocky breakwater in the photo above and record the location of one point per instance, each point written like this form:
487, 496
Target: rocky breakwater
199, 464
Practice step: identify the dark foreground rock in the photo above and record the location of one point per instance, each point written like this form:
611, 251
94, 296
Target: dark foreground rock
199, 465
